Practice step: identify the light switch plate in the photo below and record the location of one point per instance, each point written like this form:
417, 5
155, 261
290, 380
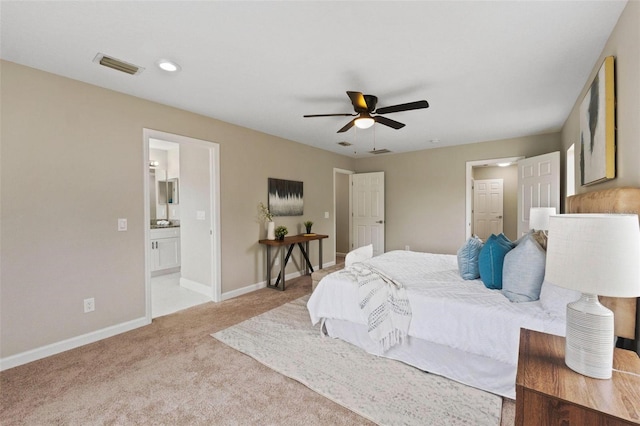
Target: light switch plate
200, 215
326, 215
122, 224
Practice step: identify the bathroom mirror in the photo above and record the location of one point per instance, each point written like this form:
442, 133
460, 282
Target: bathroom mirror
168, 191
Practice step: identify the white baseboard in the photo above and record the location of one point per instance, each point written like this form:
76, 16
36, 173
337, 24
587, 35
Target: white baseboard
74, 342
197, 287
262, 284
94, 336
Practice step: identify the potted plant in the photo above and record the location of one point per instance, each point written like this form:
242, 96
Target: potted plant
280, 232
308, 225
264, 215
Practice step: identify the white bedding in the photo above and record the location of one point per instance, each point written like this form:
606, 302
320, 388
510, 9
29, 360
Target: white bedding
446, 309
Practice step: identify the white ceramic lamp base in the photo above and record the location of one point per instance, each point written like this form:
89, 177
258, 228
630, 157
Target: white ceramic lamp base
590, 337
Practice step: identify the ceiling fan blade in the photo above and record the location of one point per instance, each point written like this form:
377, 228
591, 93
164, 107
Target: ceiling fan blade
389, 122
330, 115
403, 107
347, 126
357, 99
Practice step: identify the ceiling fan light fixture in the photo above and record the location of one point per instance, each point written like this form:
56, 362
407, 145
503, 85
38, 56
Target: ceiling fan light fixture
364, 122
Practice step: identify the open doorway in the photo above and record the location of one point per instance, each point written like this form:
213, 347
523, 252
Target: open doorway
498, 168
341, 214
182, 212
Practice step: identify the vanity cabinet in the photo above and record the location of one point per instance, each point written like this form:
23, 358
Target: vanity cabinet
165, 248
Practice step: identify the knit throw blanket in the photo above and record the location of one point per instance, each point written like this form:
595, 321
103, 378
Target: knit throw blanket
384, 303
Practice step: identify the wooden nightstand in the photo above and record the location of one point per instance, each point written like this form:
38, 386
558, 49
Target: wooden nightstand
550, 393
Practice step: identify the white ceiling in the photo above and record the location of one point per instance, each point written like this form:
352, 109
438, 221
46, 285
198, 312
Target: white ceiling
489, 70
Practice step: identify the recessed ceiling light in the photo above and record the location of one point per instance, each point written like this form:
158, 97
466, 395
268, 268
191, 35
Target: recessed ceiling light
168, 66
503, 164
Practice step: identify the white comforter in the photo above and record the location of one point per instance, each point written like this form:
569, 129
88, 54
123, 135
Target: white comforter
446, 309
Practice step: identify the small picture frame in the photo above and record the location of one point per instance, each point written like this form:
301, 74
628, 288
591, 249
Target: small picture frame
286, 197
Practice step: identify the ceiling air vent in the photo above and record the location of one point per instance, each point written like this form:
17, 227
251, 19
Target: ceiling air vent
117, 64
344, 143
379, 151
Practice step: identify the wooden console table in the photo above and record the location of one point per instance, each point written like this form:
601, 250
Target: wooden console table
550, 393
291, 242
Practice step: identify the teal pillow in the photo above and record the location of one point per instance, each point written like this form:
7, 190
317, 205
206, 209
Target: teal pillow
468, 258
491, 260
524, 271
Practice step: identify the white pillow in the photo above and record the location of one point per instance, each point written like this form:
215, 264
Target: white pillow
523, 271
358, 255
554, 299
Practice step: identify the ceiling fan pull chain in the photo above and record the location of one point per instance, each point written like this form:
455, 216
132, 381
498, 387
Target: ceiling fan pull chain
374, 138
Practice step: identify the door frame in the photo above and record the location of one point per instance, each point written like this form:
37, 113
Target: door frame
214, 174
335, 239
469, 185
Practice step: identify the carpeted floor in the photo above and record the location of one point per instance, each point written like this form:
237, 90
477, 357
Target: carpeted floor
171, 372
380, 389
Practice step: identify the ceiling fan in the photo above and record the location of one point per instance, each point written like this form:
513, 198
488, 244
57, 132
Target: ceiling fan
365, 105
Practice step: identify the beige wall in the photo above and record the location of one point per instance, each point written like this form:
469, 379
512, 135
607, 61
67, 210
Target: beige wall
509, 176
72, 164
624, 45
425, 190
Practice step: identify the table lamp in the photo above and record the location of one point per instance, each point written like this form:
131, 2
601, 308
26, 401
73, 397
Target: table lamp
539, 218
596, 254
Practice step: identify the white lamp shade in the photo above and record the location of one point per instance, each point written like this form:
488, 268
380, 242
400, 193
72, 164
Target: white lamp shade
539, 217
595, 254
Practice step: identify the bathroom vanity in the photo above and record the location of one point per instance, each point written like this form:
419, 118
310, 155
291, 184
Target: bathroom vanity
165, 249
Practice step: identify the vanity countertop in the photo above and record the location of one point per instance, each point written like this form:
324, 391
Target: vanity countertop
164, 226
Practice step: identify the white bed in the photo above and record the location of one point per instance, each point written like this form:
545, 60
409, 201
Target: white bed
459, 328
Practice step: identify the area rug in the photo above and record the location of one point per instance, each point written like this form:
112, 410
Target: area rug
384, 391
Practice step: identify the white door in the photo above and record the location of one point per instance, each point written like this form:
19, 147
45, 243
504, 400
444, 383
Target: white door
367, 204
538, 186
487, 207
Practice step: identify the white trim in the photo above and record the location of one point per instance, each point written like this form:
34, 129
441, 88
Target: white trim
469, 186
214, 165
196, 286
262, 284
72, 343
335, 235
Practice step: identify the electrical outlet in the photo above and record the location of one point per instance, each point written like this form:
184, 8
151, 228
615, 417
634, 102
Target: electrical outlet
407, 248
276, 261
89, 305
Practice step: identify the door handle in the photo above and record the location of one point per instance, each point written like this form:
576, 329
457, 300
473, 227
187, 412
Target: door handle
380, 221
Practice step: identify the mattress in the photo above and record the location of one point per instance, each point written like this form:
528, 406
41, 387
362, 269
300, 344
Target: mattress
447, 311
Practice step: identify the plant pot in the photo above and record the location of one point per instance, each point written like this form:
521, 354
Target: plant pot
271, 230
280, 238
308, 229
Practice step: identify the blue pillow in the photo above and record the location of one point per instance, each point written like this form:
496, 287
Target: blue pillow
524, 271
491, 260
468, 258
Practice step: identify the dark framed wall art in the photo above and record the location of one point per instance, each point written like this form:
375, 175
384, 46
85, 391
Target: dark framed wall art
285, 197
597, 128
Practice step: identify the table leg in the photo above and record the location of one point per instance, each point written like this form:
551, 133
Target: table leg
268, 266
307, 265
286, 260
283, 264
320, 253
